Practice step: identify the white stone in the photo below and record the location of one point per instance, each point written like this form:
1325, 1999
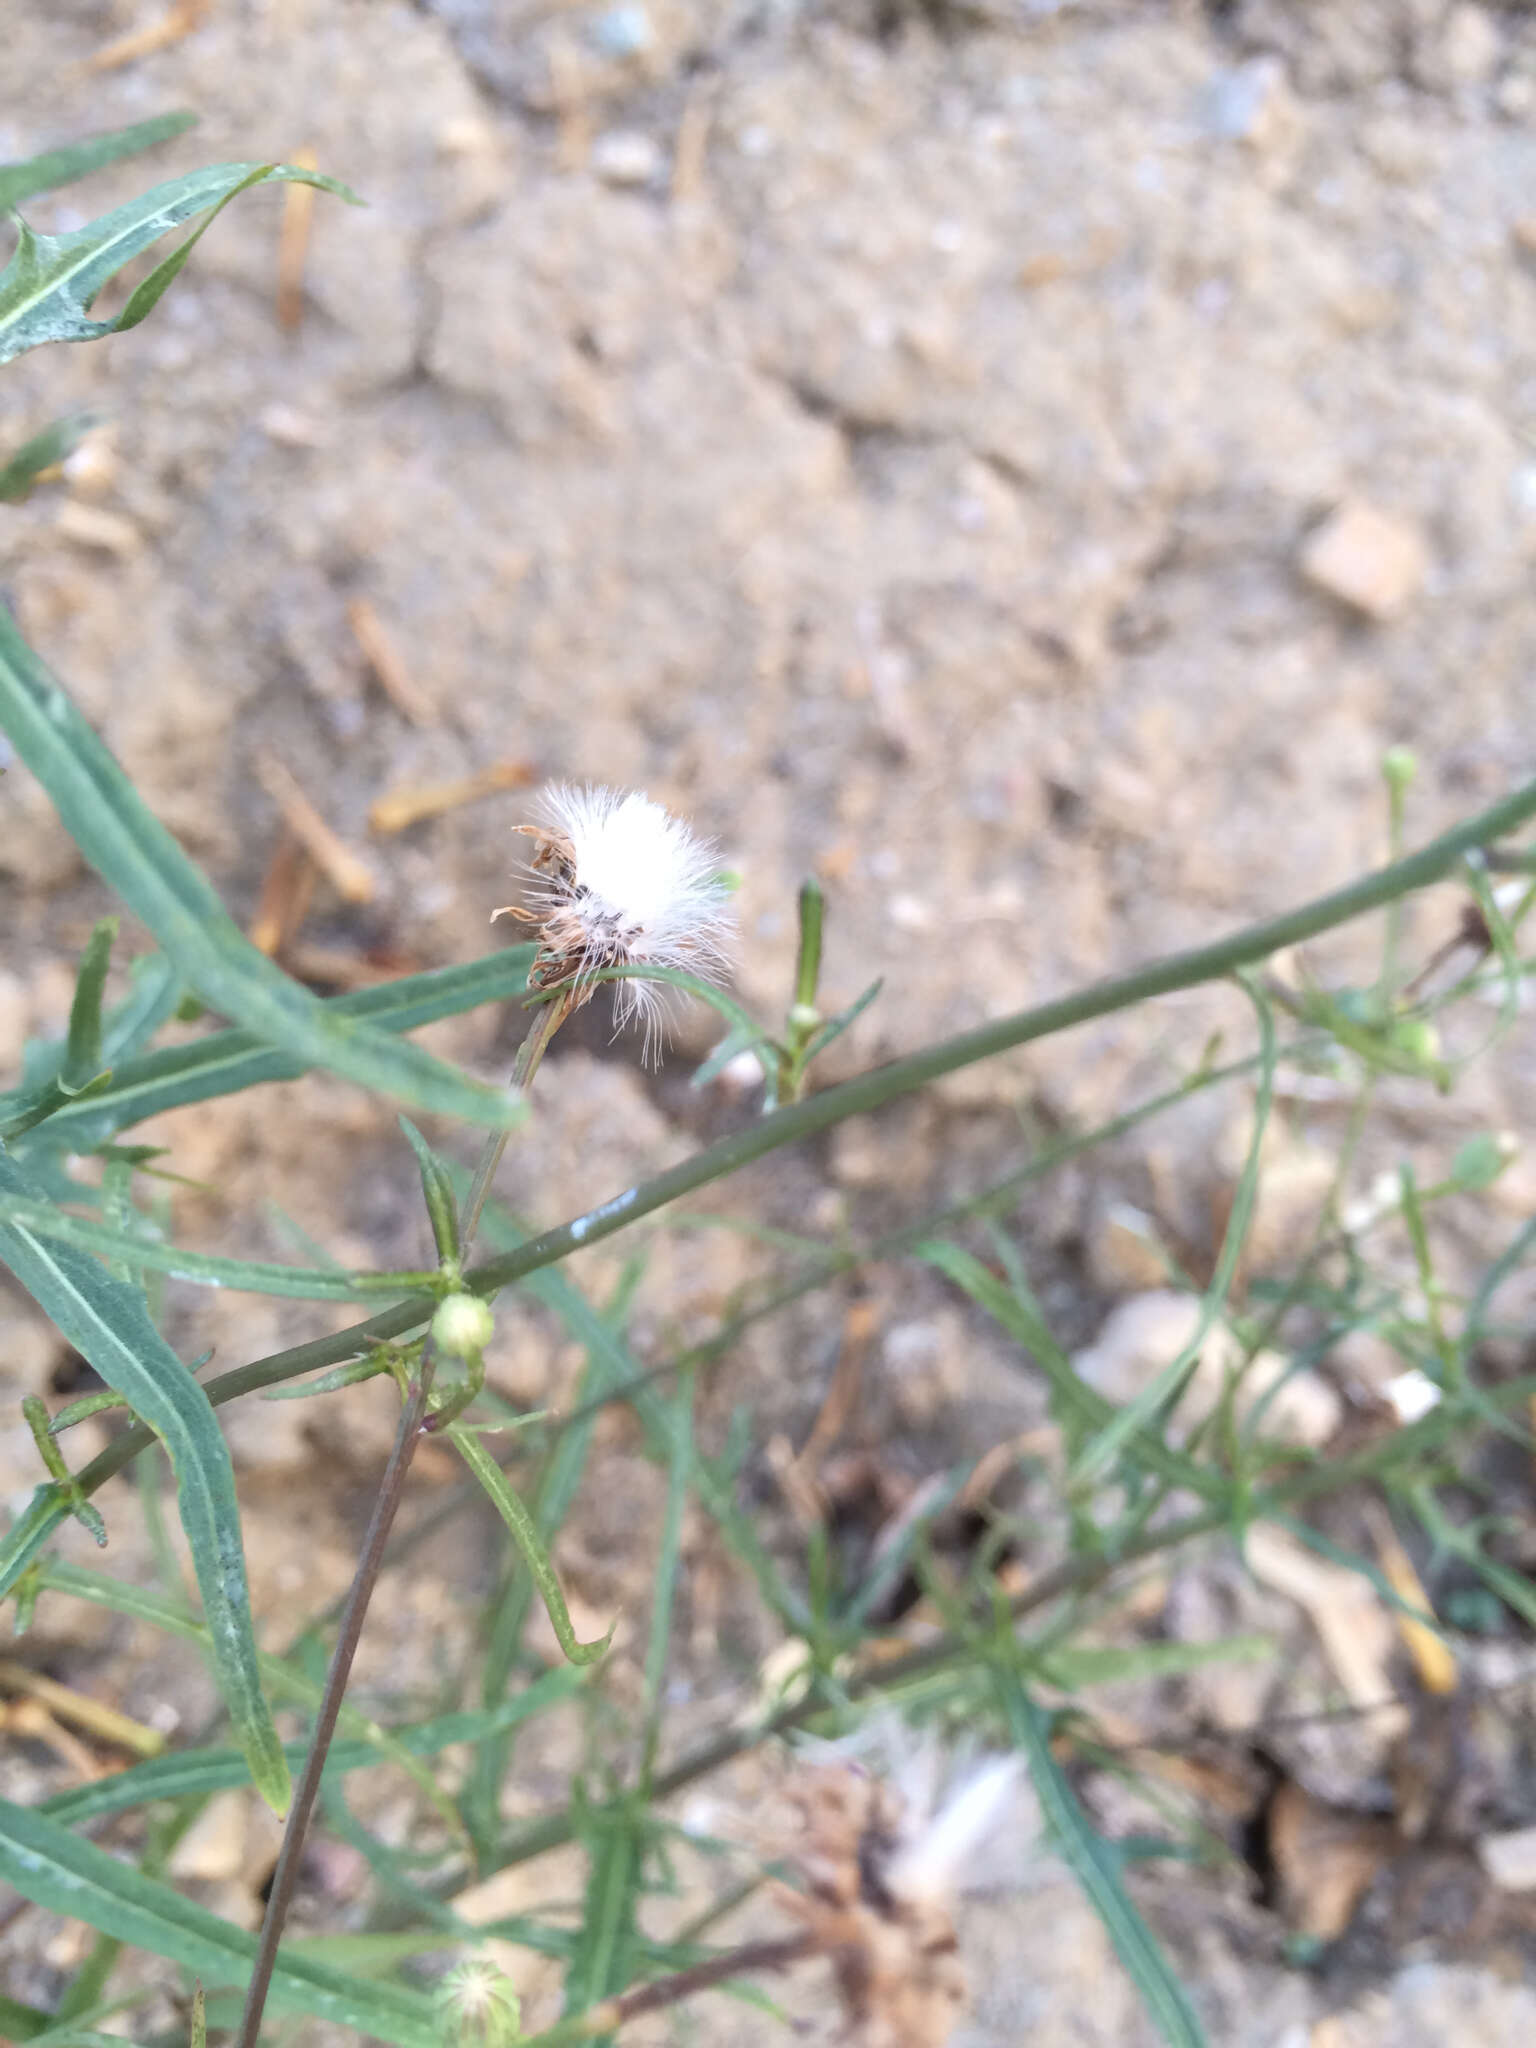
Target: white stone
1510, 1859
626, 156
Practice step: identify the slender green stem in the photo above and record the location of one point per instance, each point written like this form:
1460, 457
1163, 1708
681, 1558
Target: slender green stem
871, 1091
546, 1023
285, 1878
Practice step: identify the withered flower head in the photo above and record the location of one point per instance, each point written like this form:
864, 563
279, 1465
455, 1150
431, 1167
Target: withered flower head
881, 1868
619, 882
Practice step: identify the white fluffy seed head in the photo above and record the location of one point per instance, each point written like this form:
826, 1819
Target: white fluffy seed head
620, 882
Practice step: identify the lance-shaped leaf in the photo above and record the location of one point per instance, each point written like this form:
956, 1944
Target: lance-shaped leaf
194, 1773
55, 167
82, 1048
51, 282
144, 1250
132, 851
1097, 1870
64, 1873
43, 451
108, 1324
526, 1536
227, 1061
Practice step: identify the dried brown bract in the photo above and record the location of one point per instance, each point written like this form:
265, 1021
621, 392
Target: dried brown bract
893, 1949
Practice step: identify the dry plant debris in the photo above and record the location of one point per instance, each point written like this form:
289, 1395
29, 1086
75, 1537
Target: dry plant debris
894, 1953
348, 874
286, 890
412, 803
178, 21
293, 244
384, 658
104, 1722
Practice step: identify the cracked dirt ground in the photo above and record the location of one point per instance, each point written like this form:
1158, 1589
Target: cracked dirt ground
891, 434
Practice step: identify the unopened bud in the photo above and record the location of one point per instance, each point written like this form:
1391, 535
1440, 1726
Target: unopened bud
1419, 1039
462, 1326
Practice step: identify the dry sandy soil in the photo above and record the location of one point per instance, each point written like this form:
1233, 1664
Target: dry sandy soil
904, 437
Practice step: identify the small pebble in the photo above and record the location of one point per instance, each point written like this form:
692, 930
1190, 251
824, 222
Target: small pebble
1367, 559
1510, 1859
91, 526
625, 156
1470, 45
623, 32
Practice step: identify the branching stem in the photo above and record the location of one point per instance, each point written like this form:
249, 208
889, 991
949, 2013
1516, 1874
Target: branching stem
1432, 863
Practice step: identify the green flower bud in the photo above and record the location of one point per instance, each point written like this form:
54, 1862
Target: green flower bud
1418, 1038
462, 1326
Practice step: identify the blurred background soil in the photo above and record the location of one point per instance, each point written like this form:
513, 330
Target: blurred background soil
1022, 462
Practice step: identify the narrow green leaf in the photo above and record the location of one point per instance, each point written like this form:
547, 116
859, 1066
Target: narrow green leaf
704, 992
1098, 1872
280, 1676
836, 1026
226, 1062
352, 1374
437, 1193
147, 295
82, 1048
35, 1415
74, 160
43, 451
132, 851
193, 1773
1075, 1665
109, 1325
739, 1039
64, 1873
47, 289
1478, 1163
668, 1560
45, 1512
83, 1994
526, 1536
605, 1948
199, 2018
20, 2022
245, 1276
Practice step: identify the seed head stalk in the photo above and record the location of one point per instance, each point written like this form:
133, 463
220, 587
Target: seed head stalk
529, 1055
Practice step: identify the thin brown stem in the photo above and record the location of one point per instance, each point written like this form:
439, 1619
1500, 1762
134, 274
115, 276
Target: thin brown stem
665, 1991
285, 1877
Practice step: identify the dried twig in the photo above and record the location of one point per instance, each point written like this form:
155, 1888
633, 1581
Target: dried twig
799, 1478
103, 1722
351, 877
569, 101
178, 21
401, 808
383, 657
286, 889
691, 148
293, 244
